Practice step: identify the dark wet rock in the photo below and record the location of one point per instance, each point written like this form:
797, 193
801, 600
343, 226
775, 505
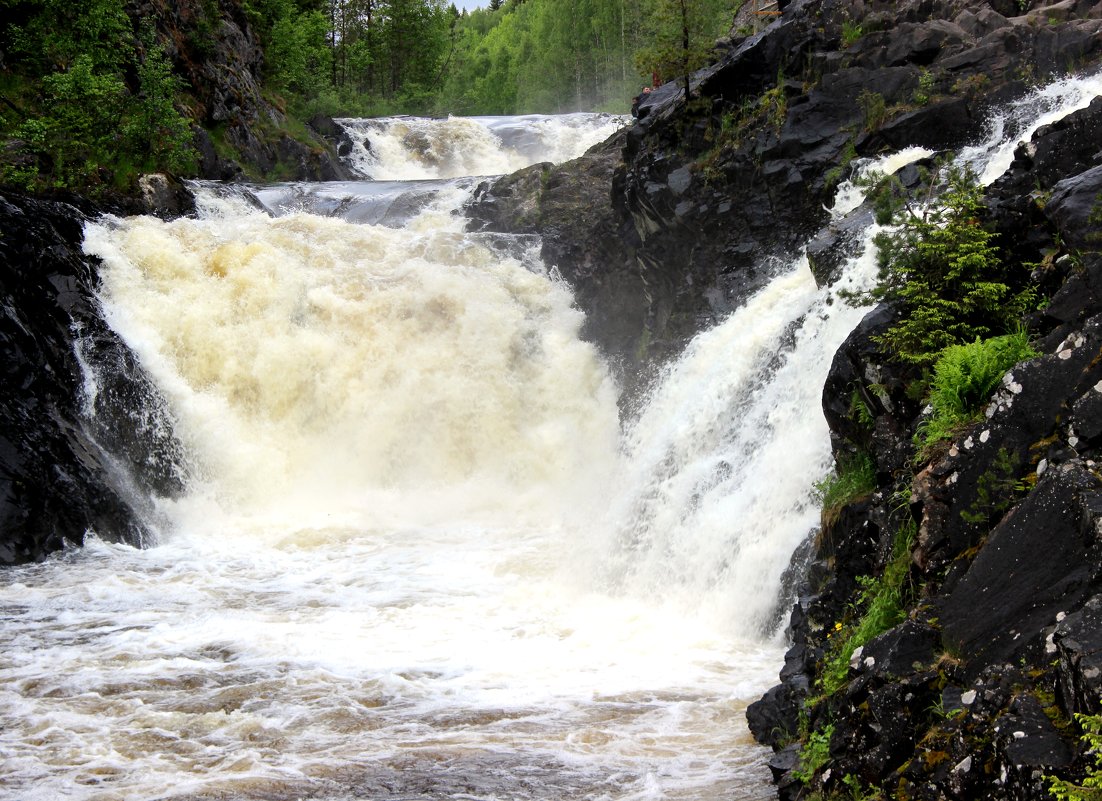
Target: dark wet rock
1030, 746
775, 717
64, 471
940, 125
862, 376
1075, 209
837, 243
909, 647
1078, 643
165, 196
511, 203
781, 765
1018, 583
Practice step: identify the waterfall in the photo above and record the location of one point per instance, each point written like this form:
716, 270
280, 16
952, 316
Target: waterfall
308, 358
419, 556
410, 148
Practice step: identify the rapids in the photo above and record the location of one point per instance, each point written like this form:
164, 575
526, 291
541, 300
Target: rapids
419, 556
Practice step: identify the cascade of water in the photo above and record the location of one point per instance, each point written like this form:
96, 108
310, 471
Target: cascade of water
309, 357
412, 148
1018, 121
721, 464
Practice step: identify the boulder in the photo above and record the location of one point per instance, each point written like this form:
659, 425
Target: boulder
1036, 565
1078, 643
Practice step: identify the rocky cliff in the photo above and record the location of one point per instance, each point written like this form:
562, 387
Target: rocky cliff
974, 693
239, 130
84, 437
971, 691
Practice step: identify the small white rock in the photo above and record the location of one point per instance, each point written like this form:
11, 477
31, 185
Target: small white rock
968, 698
1042, 466
1065, 354
968, 444
964, 765
1019, 735
985, 435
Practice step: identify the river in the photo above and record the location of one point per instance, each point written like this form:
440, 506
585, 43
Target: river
420, 556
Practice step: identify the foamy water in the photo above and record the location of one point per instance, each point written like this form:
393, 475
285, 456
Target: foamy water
417, 148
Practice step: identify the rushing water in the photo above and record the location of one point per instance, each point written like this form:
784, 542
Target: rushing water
419, 556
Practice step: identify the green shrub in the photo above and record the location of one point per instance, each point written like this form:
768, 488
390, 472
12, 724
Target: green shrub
851, 32
814, 754
964, 378
874, 108
152, 124
1091, 788
942, 271
854, 478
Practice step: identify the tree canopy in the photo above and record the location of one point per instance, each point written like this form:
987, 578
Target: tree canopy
91, 93
515, 56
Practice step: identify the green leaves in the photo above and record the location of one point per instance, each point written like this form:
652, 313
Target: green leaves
942, 270
1091, 787
152, 123
90, 127
965, 376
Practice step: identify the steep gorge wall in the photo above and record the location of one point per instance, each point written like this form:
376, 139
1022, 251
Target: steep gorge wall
974, 694
239, 130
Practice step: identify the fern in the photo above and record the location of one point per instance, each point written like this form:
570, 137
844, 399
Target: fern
964, 378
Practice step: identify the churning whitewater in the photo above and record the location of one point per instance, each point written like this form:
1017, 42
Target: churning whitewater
419, 556
385, 579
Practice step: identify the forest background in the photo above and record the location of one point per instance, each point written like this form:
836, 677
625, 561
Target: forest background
90, 93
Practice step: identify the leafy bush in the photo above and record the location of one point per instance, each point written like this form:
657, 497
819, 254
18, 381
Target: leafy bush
854, 478
814, 754
964, 378
943, 273
851, 32
97, 103
153, 125
874, 107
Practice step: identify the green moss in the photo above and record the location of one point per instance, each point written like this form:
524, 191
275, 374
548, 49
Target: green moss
882, 600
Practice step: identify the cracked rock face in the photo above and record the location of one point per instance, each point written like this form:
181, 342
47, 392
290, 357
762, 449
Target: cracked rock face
59, 466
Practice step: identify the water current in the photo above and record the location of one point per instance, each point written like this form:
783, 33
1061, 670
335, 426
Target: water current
420, 557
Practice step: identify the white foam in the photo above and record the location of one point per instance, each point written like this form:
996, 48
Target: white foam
417, 148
